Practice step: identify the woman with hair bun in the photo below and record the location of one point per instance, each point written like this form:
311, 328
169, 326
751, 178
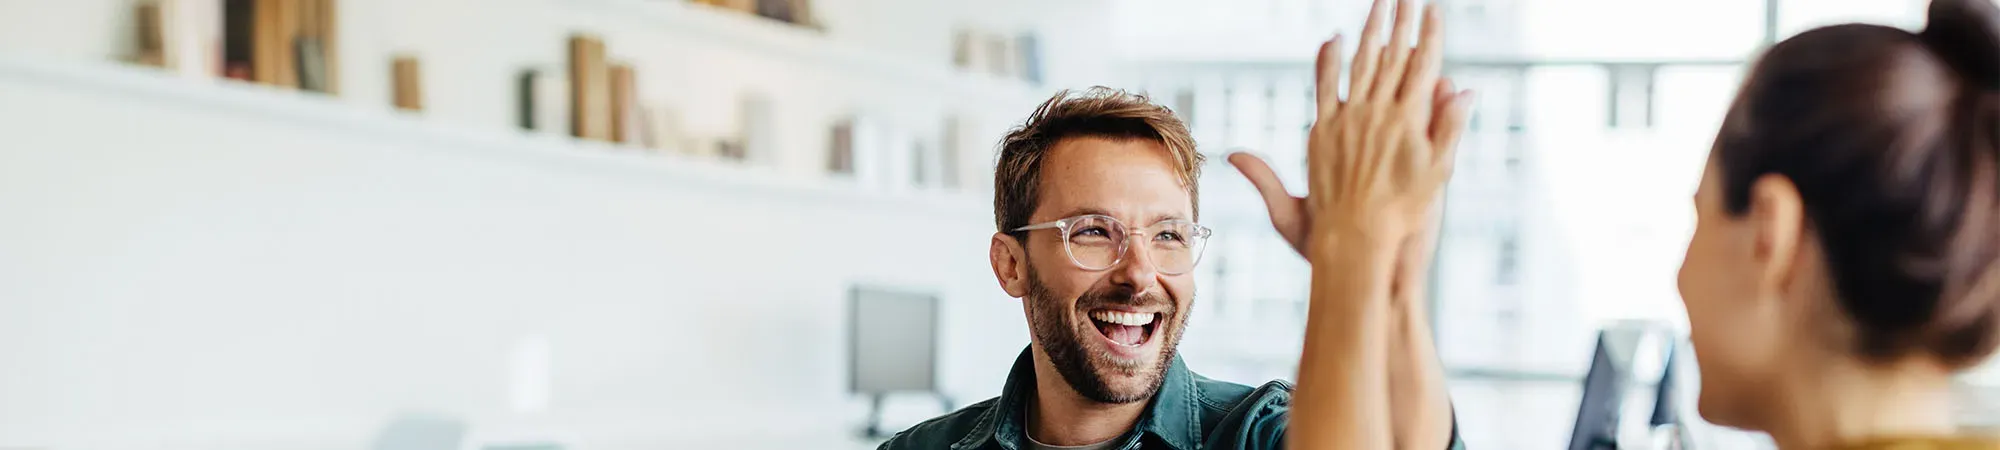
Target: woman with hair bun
1843, 266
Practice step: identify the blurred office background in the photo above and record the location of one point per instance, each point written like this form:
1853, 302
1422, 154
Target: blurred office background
639, 224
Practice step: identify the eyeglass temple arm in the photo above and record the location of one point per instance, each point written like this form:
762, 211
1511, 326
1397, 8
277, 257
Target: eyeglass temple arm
1040, 226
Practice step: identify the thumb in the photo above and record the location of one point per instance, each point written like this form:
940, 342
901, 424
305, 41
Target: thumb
1266, 181
1448, 125
1287, 212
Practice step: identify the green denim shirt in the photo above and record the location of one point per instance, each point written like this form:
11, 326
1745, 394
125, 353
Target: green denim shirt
1190, 412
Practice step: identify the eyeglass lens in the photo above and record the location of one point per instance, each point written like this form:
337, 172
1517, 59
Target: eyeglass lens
1097, 243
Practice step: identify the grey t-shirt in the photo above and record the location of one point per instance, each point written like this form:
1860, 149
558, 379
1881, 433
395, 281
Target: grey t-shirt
1038, 445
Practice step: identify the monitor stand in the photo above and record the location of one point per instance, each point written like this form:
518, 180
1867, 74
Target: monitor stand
874, 428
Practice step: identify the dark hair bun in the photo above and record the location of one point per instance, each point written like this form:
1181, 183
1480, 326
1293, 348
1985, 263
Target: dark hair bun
1967, 34
1893, 142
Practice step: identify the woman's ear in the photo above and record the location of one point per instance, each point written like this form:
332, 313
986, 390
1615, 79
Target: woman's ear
1777, 219
1010, 264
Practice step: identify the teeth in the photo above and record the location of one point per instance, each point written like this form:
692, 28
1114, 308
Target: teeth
1122, 318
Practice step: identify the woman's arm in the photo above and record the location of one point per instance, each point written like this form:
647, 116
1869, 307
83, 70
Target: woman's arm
1342, 400
1374, 173
1417, 394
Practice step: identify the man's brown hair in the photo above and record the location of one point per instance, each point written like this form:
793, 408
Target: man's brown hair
1099, 112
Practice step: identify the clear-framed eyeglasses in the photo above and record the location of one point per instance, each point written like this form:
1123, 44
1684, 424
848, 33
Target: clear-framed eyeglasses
1098, 242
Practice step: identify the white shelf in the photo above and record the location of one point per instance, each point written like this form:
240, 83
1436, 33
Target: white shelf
249, 102
778, 40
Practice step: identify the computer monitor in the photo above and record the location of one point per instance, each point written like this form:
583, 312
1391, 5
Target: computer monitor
892, 347
892, 340
1604, 389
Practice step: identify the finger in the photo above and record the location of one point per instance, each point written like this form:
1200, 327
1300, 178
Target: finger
1326, 77
1396, 57
1367, 53
1427, 60
1439, 98
1450, 126
1284, 207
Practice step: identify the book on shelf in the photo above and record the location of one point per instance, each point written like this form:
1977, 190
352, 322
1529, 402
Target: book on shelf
779, 10
978, 50
745, 6
590, 90
964, 50
730, 149
526, 84
796, 12
407, 83
311, 44
286, 43
239, 21
922, 164
652, 133
663, 130
840, 148
1030, 48
312, 66
873, 154
271, 35
152, 48
951, 145
759, 126
624, 105
552, 101
1000, 55
802, 14
328, 33
194, 37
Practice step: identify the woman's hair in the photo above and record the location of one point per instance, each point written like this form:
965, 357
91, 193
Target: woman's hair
1891, 138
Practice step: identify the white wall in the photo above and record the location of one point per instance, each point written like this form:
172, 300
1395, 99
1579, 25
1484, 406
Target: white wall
223, 267
888, 59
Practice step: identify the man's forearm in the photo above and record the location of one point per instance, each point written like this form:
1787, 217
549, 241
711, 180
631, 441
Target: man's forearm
1342, 390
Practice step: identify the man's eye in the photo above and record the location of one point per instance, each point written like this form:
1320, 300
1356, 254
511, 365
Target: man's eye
1097, 232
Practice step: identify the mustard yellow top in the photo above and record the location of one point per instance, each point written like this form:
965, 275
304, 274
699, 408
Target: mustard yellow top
1937, 443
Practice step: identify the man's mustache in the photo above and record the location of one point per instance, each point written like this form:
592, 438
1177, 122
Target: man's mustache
1124, 297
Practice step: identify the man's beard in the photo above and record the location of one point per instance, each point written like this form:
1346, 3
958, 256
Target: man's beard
1062, 339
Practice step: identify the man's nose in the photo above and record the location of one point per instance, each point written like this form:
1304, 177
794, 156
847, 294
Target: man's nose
1135, 269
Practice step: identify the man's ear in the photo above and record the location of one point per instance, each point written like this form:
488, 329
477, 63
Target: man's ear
1777, 219
1010, 264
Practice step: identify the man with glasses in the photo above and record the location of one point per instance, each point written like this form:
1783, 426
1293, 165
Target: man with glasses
1095, 203
1095, 200
1096, 194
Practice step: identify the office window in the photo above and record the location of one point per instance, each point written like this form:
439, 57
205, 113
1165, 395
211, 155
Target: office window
1184, 105
1640, 29
1795, 16
1507, 272
1693, 99
1566, 99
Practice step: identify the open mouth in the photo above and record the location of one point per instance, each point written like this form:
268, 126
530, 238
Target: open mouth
1129, 329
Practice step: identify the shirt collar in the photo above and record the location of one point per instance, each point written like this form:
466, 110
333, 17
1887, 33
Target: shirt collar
1174, 416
